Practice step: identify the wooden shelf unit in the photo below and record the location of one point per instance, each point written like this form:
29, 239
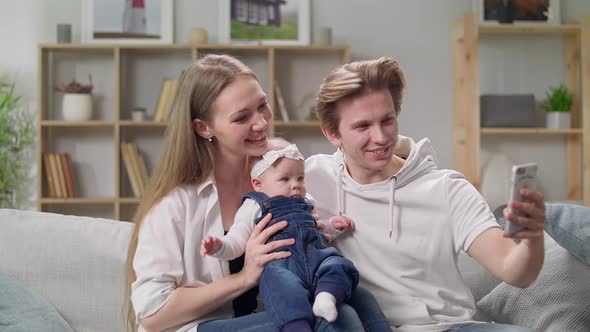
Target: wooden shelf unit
530, 131
297, 124
466, 123
128, 75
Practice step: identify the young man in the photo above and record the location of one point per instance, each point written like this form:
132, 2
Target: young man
411, 219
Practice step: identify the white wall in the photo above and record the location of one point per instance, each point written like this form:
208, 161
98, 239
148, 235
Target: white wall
415, 32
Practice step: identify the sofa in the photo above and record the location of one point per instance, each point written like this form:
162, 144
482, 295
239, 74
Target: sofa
67, 273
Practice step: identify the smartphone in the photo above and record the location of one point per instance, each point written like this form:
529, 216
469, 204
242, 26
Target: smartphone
523, 176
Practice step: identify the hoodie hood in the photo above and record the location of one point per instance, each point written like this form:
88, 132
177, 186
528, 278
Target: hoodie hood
421, 160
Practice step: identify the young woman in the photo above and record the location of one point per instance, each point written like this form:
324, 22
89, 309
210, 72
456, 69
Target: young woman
220, 118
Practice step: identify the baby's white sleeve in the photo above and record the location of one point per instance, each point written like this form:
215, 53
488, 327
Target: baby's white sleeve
234, 242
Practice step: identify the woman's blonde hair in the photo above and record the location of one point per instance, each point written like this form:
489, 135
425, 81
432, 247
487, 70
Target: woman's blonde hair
353, 79
187, 158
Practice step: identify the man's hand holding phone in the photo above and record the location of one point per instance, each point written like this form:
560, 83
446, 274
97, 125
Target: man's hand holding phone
525, 214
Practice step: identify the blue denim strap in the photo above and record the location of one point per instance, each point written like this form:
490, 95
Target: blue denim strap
259, 198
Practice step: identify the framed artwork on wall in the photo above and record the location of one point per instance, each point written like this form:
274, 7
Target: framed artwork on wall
268, 22
128, 21
518, 11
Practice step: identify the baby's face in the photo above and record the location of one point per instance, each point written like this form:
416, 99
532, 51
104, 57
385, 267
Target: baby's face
286, 177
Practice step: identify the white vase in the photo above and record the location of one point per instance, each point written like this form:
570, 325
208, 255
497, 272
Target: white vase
559, 120
76, 107
137, 115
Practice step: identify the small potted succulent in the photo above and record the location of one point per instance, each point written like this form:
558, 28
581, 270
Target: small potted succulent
558, 106
77, 100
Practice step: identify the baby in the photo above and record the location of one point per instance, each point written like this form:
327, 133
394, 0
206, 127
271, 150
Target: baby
313, 269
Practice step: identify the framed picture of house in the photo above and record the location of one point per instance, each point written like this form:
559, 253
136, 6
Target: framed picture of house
128, 21
518, 11
268, 22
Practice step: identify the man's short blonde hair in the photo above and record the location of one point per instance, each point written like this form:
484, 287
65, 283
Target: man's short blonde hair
353, 79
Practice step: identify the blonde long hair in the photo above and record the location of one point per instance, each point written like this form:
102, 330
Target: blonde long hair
354, 78
187, 158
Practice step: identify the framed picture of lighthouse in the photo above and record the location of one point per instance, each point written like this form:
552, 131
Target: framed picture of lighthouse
128, 21
267, 22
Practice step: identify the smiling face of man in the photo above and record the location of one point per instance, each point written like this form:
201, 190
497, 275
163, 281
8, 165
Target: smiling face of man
367, 133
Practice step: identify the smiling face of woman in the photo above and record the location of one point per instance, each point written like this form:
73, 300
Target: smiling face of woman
240, 119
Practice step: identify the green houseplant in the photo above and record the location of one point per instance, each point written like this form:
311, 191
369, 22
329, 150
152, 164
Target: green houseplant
558, 106
16, 138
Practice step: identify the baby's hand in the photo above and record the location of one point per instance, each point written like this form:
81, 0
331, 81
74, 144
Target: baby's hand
342, 223
210, 245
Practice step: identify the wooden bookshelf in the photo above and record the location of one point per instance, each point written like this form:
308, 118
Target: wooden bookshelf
297, 124
467, 132
58, 123
530, 131
126, 76
524, 28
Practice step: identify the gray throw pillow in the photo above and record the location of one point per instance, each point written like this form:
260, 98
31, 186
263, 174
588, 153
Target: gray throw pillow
556, 301
569, 225
21, 310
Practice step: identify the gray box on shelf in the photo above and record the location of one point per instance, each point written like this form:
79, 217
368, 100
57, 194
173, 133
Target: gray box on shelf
507, 110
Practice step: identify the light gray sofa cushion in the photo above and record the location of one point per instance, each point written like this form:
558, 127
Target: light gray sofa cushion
75, 263
556, 301
22, 310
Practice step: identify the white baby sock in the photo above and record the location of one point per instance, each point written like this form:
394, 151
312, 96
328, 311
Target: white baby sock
325, 306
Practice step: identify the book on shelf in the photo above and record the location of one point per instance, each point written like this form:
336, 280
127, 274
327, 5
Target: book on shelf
143, 169
135, 164
135, 167
161, 101
49, 175
281, 103
67, 166
130, 171
62, 178
55, 175
165, 101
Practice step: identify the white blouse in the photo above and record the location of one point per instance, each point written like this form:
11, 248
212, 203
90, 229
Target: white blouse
168, 248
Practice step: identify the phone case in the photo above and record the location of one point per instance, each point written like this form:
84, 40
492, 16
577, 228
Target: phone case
523, 176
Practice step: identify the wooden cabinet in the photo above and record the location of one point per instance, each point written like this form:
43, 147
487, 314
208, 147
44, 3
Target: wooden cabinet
130, 76
467, 133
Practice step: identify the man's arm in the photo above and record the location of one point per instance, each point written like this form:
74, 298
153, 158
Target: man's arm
515, 264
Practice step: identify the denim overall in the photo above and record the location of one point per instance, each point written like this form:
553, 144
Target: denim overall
288, 286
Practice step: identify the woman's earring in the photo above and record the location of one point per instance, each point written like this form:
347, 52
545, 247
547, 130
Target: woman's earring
210, 139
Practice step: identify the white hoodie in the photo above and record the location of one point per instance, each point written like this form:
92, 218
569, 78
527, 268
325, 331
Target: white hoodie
409, 231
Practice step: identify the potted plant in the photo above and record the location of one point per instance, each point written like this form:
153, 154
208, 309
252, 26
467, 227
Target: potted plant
16, 140
77, 100
558, 106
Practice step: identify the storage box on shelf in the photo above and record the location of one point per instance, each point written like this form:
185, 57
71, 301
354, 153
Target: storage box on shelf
467, 140
127, 77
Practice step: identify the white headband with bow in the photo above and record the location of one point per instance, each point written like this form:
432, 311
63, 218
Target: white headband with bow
271, 156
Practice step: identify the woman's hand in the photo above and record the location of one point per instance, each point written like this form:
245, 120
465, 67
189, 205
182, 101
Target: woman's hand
258, 254
533, 220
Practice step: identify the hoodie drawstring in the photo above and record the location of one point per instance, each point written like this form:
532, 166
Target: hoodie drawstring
339, 191
392, 205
